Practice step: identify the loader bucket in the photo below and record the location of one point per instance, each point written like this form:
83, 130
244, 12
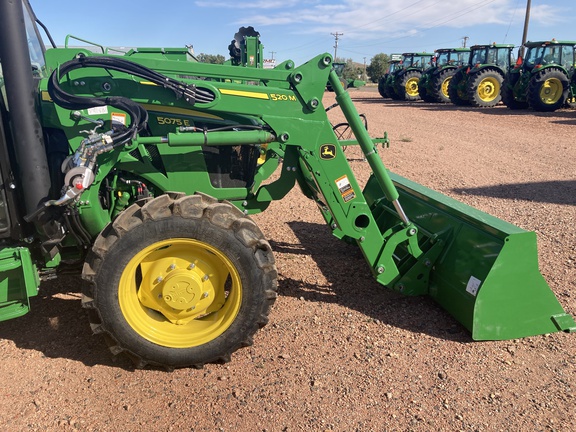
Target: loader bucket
482, 270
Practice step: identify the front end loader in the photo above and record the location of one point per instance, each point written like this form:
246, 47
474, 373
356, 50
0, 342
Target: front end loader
143, 172
479, 82
544, 79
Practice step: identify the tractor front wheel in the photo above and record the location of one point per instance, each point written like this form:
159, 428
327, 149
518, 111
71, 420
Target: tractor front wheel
548, 90
179, 281
484, 88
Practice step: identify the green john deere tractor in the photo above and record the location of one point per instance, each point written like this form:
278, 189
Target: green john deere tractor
545, 79
433, 84
384, 83
403, 84
479, 82
345, 83
140, 172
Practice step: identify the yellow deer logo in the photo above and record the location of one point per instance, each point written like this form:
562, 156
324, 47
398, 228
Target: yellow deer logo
328, 151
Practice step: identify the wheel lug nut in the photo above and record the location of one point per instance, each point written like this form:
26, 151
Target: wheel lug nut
205, 278
205, 294
191, 266
172, 266
159, 279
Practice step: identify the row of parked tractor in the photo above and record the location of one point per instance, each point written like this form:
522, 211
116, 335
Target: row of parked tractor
483, 75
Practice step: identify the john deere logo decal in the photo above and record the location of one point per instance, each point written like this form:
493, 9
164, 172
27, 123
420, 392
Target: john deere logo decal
327, 151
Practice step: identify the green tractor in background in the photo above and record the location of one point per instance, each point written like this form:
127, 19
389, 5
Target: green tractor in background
479, 82
545, 79
344, 82
433, 85
384, 86
403, 84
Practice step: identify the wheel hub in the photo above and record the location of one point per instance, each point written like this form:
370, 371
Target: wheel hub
181, 290
551, 91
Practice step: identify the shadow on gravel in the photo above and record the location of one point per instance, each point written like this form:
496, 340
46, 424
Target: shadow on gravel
555, 192
58, 327
350, 284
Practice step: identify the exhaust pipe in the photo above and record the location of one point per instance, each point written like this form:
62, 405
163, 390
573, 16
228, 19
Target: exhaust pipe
22, 95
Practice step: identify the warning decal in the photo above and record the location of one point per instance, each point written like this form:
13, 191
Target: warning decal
345, 188
473, 285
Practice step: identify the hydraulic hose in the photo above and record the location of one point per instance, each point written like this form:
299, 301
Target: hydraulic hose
138, 115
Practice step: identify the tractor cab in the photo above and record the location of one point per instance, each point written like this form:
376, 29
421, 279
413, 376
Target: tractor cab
540, 54
451, 57
500, 55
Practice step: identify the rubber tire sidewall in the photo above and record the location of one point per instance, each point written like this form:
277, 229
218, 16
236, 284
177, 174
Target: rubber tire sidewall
475, 80
401, 85
150, 232
536, 84
453, 92
508, 93
437, 85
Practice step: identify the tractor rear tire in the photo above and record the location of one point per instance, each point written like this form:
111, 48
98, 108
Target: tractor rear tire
407, 86
484, 88
382, 87
457, 96
179, 281
508, 96
548, 90
425, 95
440, 85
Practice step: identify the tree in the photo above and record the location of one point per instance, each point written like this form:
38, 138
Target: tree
378, 66
352, 70
211, 58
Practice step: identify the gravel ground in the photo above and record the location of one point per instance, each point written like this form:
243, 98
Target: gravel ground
341, 353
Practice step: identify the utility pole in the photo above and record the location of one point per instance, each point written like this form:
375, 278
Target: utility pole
336, 35
364, 77
272, 52
464, 40
525, 34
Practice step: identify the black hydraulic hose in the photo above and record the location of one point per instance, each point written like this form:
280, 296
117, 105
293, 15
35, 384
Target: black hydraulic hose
138, 116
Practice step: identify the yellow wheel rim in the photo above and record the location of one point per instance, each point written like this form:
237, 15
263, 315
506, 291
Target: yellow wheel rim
444, 87
412, 86
551, 91
488, 89
180, 293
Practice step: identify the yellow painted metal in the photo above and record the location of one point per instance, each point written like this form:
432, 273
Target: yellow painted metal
445, 85
412, 86
488, 89
551, 91
180, 293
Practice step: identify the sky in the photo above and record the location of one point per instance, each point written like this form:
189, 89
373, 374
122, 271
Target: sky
299, 30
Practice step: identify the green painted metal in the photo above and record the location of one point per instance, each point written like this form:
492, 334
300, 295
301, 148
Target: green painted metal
482, 270
18, 282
